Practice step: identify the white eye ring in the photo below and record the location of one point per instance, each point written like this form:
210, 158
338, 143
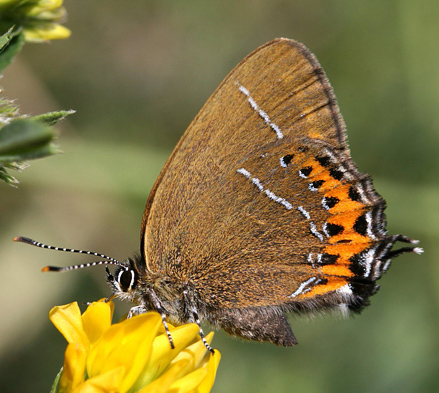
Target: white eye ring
119, 277
132, 278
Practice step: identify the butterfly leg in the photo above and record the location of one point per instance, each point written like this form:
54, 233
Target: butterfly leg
196, 318
136, 310
160, 310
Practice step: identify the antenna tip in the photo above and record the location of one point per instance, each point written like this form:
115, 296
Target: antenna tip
22, 239
51, 269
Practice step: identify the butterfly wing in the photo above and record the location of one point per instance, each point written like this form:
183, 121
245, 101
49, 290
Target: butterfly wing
260, 204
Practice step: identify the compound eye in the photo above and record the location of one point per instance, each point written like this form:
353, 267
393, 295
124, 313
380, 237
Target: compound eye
126, 279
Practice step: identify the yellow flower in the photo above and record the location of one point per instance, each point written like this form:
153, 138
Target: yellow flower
37, 18
130, 356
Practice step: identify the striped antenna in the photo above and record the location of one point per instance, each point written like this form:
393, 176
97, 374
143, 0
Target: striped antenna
108, 261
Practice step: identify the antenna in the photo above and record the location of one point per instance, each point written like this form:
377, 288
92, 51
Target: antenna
108, 261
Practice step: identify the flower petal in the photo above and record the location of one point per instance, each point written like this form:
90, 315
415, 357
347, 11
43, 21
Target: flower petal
195, 352
202, 362
189, 382
212, 365
162, 354
162, 383
126, 344
104, 383
42, 6
101, 350
73, 369
45, 31
67, 319
97, 319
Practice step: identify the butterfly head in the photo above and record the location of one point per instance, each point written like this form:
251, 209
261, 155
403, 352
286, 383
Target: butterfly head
124, 282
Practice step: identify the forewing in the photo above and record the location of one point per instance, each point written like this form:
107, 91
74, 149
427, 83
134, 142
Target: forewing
242, 207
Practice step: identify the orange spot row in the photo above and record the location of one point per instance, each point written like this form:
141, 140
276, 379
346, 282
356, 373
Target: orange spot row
330, 286
337, 270
329, 181
349, 237
316, 167
319, 172
346, 203
345, 252
346, 219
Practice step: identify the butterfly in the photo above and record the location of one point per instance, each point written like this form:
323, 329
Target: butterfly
260, 209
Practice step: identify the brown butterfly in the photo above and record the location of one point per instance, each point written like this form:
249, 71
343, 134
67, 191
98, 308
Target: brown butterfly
260, 209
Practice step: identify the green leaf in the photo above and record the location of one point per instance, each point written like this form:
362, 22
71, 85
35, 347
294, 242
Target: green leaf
51, 118
8, 111
6, 177
56, 381
30, 154
25, 139
11, 46
5, 38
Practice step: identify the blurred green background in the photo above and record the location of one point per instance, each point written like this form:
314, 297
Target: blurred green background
137, 72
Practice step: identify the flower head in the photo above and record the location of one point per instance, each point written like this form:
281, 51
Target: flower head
37, 18
130, 356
